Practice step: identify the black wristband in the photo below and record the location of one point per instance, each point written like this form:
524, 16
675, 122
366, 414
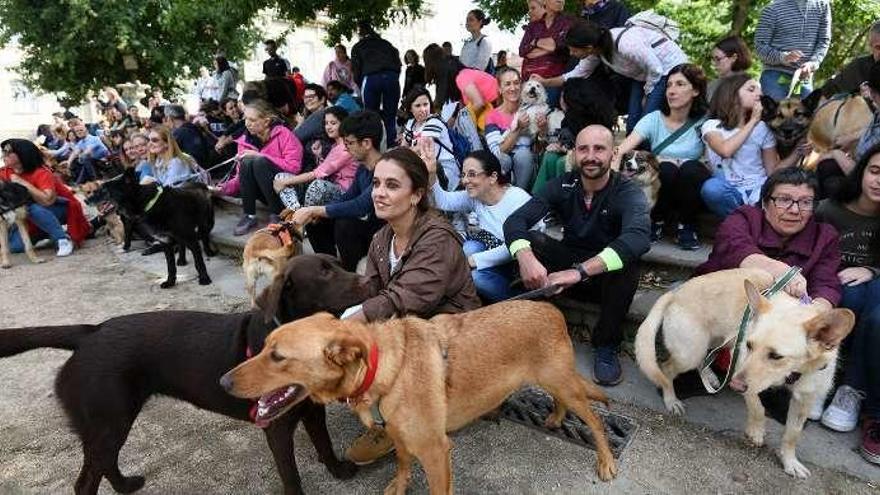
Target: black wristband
581, 271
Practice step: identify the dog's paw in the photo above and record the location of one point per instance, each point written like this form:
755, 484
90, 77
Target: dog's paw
552, 423
793, 467
205, 281
755, 435
37, 260
167, 284
342, 470
129, 484
6, 265
606, 469
395, 487
675, 406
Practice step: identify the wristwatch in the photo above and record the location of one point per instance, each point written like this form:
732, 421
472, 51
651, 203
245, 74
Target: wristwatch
581, 271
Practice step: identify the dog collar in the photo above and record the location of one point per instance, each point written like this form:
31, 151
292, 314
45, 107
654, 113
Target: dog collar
372, 367
284, 231
153, 201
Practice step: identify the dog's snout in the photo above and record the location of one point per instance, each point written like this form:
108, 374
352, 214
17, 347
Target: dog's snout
226, 382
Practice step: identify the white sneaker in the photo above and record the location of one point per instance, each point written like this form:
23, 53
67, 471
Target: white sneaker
65, 247
817, 409
843, 413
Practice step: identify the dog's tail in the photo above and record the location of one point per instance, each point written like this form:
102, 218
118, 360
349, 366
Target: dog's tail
646, 354
17, 340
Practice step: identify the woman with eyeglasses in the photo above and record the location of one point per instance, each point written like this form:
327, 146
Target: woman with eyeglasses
171, 166
490, 196
729, 56
855, 213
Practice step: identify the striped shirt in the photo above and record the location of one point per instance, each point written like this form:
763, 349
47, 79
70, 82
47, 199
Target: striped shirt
787, 25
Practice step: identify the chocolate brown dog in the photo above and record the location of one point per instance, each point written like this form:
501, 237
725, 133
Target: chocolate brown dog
427, 377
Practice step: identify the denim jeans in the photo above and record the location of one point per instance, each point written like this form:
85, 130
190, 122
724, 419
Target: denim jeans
381, 93
635, 110
493, 283
720, 196
553, 95
519, 164
775, 84
49, 219
862, 364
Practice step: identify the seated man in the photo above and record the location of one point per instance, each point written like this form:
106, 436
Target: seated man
607, 229
350, 222
87, 151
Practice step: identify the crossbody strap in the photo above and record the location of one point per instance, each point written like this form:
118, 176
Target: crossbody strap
674, 136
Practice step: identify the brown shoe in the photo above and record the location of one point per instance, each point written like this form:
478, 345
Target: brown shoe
370, 447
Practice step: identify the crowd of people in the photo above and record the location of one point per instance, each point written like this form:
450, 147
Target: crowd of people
448, 186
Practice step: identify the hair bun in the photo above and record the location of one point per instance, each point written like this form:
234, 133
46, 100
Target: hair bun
487, 21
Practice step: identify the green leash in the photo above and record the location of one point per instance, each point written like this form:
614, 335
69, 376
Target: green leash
740, 335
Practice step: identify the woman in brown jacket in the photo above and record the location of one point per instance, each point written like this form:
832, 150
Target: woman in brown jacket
415, 265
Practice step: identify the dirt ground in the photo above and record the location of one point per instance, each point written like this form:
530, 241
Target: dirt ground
184, 450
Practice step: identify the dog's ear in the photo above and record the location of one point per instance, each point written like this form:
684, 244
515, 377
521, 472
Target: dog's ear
831, 327
811, 102
652, 160
757, 301
345, 350
770, 106
270, 298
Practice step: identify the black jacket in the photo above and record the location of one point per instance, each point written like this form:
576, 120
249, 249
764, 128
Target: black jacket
618, 217
373, 54
194, 142
613, 14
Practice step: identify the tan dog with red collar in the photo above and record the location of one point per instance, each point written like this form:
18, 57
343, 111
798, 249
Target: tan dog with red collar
428, 377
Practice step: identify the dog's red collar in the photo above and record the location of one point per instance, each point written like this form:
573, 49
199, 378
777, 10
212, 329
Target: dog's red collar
372, 367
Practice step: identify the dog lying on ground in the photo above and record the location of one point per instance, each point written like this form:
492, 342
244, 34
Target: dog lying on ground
118, 364
431, 376
787, 344
14, 199
644, 169
267, 251
185, 213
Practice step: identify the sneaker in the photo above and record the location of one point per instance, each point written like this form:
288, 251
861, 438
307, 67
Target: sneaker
370, 447
656, 231
606, 367
817, 409
687, 237
870, 449
65, 247
843, 413
245, 225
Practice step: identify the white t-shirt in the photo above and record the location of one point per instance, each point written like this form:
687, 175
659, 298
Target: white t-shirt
745, 170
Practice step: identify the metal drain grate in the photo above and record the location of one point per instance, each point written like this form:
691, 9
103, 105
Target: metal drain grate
530, 407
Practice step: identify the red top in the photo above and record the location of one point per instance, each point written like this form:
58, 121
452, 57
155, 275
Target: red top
553, 64
814, 249
42, 178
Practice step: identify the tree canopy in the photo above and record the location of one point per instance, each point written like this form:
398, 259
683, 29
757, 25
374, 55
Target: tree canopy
703, 22
73, 46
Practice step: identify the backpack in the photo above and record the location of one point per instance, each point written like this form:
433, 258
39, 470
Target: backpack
653, 21
461, 145
490, 67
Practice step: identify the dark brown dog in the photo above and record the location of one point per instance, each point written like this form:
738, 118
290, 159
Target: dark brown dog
119, 364
431, 376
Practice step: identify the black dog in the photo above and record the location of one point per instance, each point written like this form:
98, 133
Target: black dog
118, 364
14, 199
185, 213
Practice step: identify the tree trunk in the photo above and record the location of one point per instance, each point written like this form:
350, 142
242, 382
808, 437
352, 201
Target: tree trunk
739, 11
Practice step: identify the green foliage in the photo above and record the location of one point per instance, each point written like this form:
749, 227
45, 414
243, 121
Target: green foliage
73, 46
703, 22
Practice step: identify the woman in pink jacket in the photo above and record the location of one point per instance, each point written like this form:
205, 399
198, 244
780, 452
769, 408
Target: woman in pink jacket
265, 149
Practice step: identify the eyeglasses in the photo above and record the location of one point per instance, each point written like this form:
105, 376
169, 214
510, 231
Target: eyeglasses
310, 96
784, 203
472, 175
717, 58
155, 140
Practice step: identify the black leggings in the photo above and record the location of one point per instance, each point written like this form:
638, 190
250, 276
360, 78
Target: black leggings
680, 191
256, 176
613, 291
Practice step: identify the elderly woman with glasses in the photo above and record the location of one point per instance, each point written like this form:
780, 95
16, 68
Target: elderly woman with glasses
780, 234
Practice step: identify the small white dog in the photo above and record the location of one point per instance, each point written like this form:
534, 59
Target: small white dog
532, 102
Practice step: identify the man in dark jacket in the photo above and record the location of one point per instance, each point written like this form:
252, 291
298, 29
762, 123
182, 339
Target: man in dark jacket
607, 230
349, 224
850, 79
375, 65
606, 13
190, 138
275, 65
